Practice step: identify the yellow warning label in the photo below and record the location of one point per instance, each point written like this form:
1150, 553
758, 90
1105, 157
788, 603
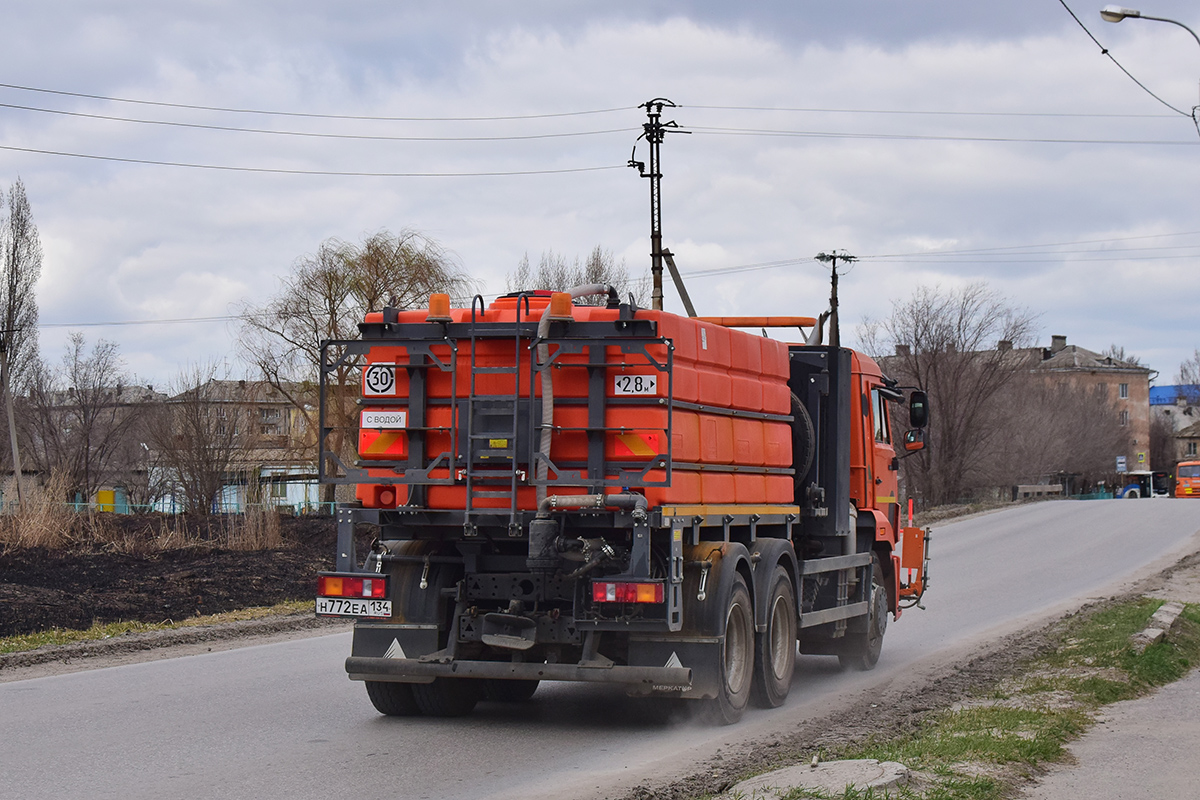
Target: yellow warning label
385, 442
637, 444
497, 444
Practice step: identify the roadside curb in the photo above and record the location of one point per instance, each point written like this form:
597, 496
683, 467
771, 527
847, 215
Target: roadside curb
150, 640
1160, 625
832, 777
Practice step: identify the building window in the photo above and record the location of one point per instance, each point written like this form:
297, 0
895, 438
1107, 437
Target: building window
1191, 449
1124, 418
278, 489
1124, 391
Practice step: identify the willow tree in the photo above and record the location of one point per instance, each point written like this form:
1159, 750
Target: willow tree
325, 297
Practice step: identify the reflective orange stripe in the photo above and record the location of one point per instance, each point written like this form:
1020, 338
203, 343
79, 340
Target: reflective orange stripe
382, 443
639, 445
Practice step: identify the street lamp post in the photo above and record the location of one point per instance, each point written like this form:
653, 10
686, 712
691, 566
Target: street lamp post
1116, 14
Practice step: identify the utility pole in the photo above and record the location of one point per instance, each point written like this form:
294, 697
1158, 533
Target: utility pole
832, 258
653, 131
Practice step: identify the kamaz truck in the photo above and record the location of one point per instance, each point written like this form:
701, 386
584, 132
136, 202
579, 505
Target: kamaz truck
610, 494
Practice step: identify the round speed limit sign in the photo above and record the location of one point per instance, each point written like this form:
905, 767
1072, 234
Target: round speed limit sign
379, 379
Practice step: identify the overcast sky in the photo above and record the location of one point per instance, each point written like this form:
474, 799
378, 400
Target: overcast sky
969, 141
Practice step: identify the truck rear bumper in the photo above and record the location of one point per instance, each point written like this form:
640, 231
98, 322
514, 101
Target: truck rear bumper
412, 670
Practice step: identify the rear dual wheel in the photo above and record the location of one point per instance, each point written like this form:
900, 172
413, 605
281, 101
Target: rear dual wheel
444, 697
775, 648
737, 658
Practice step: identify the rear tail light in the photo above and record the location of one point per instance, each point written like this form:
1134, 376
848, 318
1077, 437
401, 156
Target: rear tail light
626, 592
348, 586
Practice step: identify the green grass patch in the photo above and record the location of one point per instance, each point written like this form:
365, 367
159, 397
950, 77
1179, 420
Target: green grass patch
983, 749
100, 632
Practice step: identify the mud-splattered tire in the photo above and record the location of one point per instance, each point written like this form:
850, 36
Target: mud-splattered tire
736, 660
447, 697
775, 648
863, 647
392, 699
509, 691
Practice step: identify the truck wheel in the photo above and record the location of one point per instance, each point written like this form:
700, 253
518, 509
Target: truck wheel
509, 691
392, 699
775, 648
737, 658
863, 647
447, 697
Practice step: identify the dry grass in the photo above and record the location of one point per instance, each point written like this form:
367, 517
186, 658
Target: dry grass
46, 522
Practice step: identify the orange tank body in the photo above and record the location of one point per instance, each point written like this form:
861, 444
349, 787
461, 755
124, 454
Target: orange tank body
717, 455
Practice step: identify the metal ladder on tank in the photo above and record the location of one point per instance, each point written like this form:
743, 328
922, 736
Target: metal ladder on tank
502, 481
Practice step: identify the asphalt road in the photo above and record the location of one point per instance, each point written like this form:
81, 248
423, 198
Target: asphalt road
281, 720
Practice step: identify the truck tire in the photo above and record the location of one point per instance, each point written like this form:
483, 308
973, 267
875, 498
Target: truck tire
447, 697
392, 699
509, 691
863, 647
775, 648
736, 665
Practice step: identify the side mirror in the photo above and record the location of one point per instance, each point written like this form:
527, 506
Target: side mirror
918, 410
914, 440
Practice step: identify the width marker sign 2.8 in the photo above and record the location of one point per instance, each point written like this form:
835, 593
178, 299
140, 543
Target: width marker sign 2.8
379, 379
635, 384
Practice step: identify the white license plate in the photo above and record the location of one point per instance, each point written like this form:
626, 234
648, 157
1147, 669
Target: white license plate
351, 607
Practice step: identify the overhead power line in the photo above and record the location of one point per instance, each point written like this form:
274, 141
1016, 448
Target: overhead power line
116, 323
320, 172
1112, 58
722, 131
311, 115
370, 137
931, 113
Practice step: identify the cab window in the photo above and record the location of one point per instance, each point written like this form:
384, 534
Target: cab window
879, 411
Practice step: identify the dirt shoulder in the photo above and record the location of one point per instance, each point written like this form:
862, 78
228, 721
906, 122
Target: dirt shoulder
899, 707
133, 648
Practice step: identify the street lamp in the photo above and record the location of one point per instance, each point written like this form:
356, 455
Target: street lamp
1116, 14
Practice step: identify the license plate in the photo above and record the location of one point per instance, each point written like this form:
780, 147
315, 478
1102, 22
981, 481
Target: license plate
350, 607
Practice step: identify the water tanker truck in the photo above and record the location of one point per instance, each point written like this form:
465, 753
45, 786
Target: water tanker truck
609, 494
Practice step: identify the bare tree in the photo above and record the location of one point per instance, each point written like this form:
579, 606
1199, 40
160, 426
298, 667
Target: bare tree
1163, 450
1117, 353
555, 273
82, 417
1056, 428
326, 297
949, 344
1188, 378
195, 435
20, 267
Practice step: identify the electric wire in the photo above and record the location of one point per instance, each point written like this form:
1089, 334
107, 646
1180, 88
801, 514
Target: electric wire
311, 115
318, 172
723, 131
368, 137
1104, 51
882, 111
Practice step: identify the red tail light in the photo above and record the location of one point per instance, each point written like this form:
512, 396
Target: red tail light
626, 592
352, 586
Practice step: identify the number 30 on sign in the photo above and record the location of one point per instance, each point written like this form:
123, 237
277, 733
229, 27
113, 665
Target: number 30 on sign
379, 379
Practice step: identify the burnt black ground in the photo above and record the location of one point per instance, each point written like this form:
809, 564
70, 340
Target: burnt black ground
42, 589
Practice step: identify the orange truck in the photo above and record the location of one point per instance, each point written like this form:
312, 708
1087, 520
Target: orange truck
1187, 479
610, 494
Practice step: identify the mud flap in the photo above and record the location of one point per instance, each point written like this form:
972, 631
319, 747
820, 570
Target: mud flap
702, 656
382, 640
